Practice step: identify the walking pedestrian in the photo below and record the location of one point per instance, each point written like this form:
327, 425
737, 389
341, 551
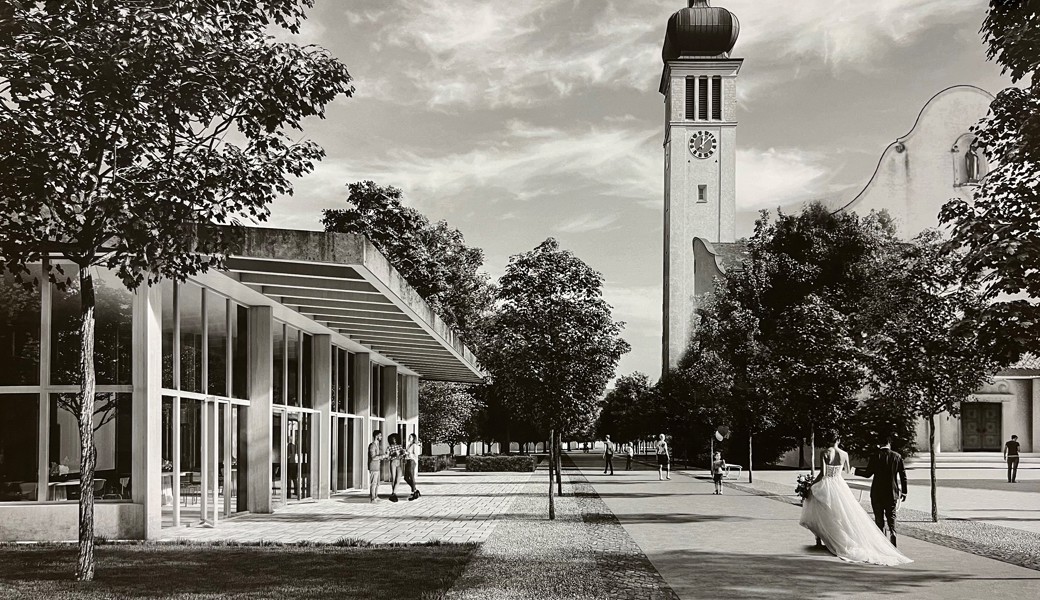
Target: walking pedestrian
608, 456
628, 456
411, 464
718, 467
664, 459
375, 458
1011, 456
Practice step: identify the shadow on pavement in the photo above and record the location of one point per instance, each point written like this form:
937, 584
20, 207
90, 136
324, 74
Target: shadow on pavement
813, 575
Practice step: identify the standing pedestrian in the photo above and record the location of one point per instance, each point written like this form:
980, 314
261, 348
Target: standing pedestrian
1011, 456
628, 456
664, 459
394, 452
718, 467
411, 464
608, 456
375, 458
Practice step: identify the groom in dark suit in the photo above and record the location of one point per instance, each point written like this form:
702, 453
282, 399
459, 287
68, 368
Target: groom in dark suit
885, 492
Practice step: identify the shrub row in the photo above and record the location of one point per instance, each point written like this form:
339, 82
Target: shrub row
432, 464
496, 462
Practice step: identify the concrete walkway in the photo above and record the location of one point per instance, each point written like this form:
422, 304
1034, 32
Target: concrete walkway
455, 506
745, 546
982, 495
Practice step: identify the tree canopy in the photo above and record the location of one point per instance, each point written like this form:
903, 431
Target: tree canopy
998, 233
432, 257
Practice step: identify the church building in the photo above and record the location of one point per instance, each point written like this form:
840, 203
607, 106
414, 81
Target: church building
917, 173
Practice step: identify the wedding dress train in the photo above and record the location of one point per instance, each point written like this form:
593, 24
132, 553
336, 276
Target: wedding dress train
836, 517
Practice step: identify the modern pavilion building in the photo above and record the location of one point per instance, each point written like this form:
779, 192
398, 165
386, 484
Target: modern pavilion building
237, 390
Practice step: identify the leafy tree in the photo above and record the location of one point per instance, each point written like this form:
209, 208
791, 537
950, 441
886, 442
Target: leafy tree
447, 410
129, 129
623, 410
553, 344
933, 357
999, 232
433, 258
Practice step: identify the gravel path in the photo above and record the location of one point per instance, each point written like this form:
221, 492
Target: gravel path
585, 553
1012, 546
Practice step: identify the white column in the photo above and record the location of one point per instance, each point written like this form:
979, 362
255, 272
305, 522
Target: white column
146, 469
361, 389
321, 388
258, 413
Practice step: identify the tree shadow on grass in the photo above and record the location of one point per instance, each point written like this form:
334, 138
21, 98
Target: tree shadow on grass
160, 571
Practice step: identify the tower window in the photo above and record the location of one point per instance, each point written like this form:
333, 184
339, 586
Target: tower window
702, 193
716, 98
702, 112
691, 98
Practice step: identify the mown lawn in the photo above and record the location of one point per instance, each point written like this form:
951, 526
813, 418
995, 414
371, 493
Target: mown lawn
203, 571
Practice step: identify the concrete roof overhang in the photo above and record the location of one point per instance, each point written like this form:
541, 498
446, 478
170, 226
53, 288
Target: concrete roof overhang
344, 283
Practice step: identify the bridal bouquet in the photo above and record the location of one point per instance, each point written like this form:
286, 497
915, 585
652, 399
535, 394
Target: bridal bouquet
803, 486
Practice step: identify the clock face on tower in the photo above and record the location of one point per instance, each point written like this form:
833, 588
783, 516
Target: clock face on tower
703, 144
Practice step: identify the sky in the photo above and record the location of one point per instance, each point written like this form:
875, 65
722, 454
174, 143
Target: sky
519, 120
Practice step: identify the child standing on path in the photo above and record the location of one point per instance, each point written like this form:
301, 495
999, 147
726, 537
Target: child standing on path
717, 467
664, 458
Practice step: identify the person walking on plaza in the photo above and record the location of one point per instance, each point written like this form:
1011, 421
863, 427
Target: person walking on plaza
394, 452
608, 456
411, 464
885, 466
664, 459
718, 466
1011, 456
628, 456
375, 458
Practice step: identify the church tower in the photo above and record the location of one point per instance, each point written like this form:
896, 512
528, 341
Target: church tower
699, 84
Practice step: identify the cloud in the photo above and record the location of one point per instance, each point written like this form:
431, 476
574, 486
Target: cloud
522, 54
767, 178
587, 223
638, 306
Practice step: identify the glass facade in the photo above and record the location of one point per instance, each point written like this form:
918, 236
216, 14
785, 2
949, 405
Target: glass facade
278, 363
217, 350
19, 447
20, 329
113, 343
376, 386
189, 305
113, 422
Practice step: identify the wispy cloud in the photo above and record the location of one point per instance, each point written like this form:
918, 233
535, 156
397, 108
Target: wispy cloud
587, 223
767, 178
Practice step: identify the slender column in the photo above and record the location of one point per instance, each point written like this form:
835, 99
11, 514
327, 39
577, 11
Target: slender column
388, 391
1034, 445
258, 413
176, 420
205, 444
361, 390
146, 466
321, 387
43, 470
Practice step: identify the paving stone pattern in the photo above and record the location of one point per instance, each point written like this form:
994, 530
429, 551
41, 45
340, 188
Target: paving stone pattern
1013, 546
455, 506
585, 553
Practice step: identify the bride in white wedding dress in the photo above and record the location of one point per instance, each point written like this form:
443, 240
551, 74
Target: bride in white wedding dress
836, 517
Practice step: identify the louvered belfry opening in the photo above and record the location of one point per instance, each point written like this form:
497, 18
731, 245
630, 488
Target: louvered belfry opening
691, 98
716, 98
702, 110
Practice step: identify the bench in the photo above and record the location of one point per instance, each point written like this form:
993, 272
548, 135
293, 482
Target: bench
726, 471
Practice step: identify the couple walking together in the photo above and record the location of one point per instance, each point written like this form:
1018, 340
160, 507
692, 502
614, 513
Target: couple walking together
395, 452
834, 515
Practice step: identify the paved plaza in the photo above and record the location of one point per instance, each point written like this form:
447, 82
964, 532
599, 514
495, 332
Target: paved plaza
632, 536
455, 506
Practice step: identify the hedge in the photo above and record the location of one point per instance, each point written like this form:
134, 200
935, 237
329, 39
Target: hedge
497, 462
432, 464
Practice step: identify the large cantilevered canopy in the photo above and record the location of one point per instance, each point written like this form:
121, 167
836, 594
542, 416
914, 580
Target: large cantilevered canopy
343, 282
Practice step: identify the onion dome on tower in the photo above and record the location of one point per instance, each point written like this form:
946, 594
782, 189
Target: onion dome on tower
700, 31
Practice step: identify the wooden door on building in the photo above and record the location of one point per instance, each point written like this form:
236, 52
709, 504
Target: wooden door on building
980, 426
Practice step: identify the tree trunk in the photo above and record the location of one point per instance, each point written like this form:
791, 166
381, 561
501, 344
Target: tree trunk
711, 451
559, 463
931, 466
801, 453
750, 460
552, 463
427, 448
85, 418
